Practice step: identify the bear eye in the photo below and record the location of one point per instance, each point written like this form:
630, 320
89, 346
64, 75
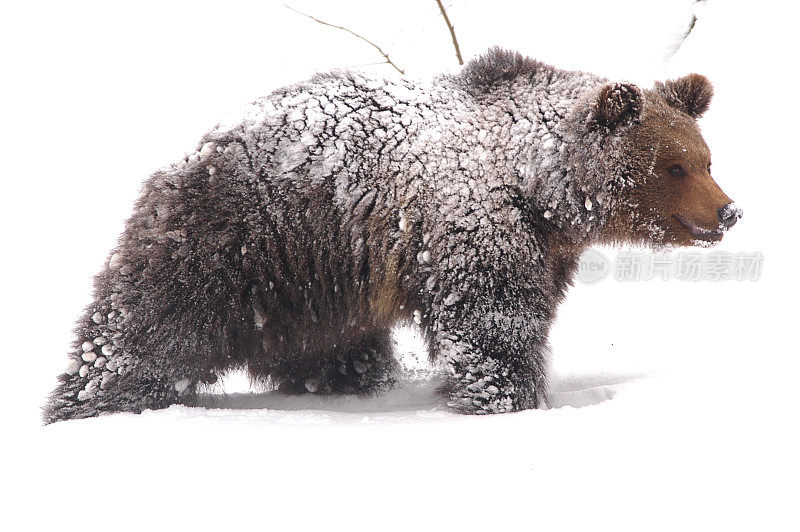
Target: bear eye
709, 168
676, 170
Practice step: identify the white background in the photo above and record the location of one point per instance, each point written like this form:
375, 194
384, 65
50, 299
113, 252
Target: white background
700, 429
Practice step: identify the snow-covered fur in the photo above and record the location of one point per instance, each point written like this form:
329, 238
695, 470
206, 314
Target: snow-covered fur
292, 242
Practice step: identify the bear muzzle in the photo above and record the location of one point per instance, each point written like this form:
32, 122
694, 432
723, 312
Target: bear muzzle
729, 215
699, 232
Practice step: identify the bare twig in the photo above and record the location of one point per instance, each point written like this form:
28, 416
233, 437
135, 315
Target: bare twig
685, 35
359, 65
354, 34
452, 31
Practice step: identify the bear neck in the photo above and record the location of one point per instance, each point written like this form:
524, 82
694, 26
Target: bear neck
564, 167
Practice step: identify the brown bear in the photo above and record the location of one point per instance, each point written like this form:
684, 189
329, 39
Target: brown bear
291, 243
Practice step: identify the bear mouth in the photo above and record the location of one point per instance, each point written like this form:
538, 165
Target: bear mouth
701, 233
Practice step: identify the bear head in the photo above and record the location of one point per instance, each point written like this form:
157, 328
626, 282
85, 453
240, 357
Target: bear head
665, 194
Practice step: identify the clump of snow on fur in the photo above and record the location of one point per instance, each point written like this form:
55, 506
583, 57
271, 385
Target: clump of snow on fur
182, 384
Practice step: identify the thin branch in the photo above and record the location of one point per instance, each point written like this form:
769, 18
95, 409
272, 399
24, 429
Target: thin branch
354, 34
366, 64
677, 46
452, 31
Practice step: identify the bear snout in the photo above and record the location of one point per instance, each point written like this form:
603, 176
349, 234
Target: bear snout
698, 231
729, 215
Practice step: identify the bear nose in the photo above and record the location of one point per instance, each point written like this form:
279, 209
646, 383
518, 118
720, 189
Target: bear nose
728, 215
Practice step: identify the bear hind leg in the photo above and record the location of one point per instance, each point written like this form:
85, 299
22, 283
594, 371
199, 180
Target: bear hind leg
366, 365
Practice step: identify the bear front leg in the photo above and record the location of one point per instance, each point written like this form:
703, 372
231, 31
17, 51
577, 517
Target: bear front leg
495, 354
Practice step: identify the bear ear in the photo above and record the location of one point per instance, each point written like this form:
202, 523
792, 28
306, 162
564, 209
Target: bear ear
690, 94
617, 103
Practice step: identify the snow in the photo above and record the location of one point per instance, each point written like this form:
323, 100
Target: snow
73, 366
403, 224
182, 384
673, 405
